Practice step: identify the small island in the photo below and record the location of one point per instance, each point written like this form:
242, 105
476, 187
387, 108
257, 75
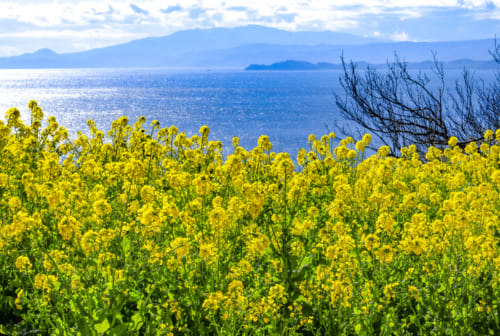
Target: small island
294, 65
291, 65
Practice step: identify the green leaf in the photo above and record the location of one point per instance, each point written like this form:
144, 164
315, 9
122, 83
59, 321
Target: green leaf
125, 245
102, 327
301, 273
3, 330
119, 330
137, 319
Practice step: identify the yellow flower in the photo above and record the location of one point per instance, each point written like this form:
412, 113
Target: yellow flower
17, 301
180, 246
414, 292
385, 222
4, 179
23, 263
471, 148
147, 193
416, 245
351, 155
495, 177
302, 227
236, 141
90, 242
371, 241
140, 121
452, 142
45, 282
67, 226
213, 301
235, 286
264, 143
204, 131
202, 185
484, 147
488, 135
76, 285
385, 254
102, 207
278, 293
14, 203
360, 146
147, 215
155, 124
218, 219
258, 245
367, 139
347, 141
383, 151
173, 130
207, 251
341, 152
389, 290
313, 211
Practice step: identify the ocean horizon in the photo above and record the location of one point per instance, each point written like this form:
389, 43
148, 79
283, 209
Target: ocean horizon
287, 106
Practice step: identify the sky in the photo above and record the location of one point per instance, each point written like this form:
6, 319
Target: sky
73, 25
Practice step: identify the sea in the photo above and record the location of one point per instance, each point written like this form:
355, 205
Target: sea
287, 106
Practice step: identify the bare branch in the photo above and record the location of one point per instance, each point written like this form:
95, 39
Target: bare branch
401, 108
495, 53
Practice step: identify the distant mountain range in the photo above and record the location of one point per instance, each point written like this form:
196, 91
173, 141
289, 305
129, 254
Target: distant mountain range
238, 47
291, 65
294, 65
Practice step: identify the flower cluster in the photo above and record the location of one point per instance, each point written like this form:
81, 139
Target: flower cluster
147, 231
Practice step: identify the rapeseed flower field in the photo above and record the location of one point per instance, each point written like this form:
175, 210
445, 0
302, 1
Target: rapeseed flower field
143, 230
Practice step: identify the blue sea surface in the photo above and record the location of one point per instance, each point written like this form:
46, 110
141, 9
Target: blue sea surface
285, 105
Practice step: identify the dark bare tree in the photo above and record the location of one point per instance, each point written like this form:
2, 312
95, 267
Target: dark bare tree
495, 53
477, 103
403, 107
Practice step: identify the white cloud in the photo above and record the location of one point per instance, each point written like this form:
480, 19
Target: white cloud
9, 51
400, 37
89, 23
94, 33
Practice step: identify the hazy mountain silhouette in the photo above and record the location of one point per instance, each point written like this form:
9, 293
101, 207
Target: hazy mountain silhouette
241, 46
294, 65
290, 65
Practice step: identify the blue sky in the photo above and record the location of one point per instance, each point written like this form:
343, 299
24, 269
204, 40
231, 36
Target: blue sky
72, 25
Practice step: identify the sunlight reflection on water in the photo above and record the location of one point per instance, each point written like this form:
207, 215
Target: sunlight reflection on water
287, 106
